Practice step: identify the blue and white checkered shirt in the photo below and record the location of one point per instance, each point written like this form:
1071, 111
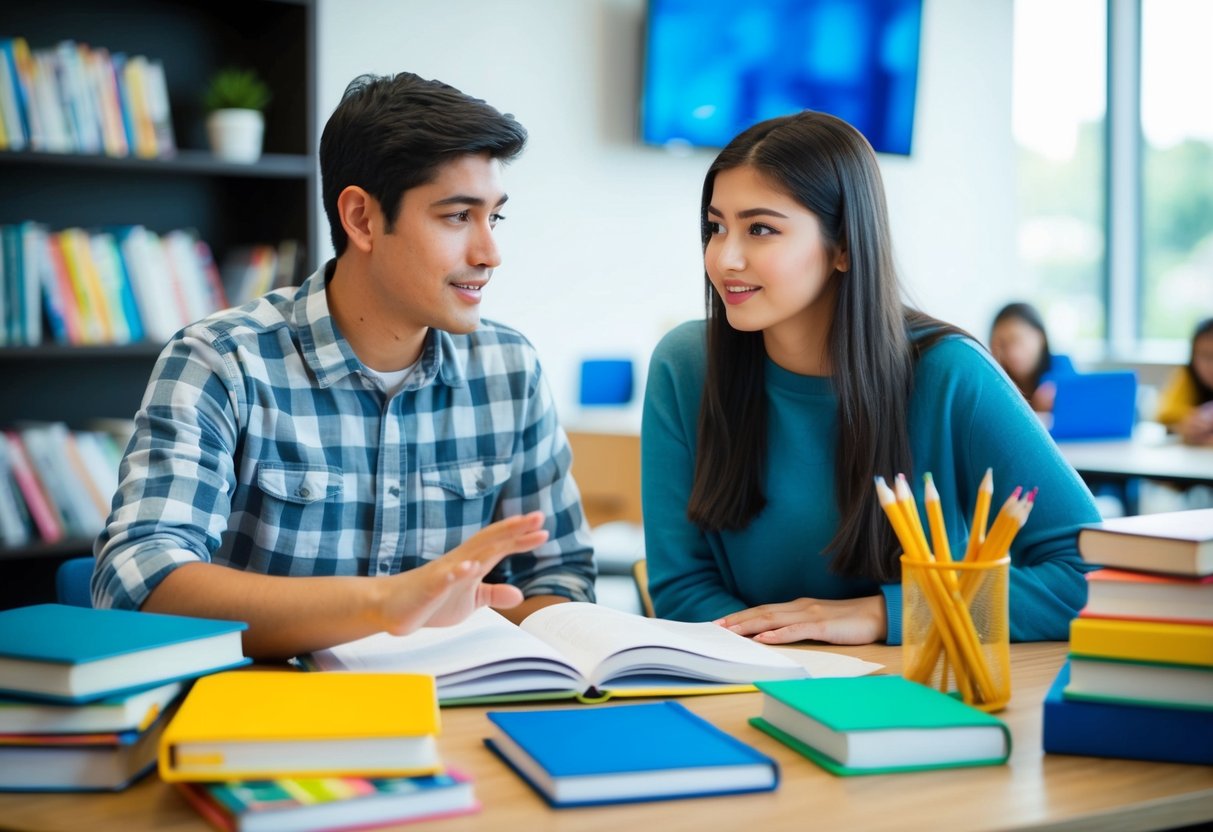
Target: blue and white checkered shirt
264, 444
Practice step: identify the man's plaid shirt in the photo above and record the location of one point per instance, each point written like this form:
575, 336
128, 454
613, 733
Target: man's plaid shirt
263, 444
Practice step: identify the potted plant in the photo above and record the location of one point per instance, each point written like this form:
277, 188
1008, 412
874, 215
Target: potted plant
235, 125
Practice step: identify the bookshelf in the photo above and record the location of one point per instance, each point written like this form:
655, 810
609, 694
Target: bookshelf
229, 205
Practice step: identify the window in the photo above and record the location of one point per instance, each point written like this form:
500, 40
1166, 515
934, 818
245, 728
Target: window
1177, 167
1059, 101
1113, 123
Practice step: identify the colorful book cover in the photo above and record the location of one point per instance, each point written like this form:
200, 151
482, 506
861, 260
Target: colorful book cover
246, 725
880, 724
79, 654
1134, 732
330, 803
626, 753
1146, 641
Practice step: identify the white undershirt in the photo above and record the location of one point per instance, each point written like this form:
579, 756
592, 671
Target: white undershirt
393, 380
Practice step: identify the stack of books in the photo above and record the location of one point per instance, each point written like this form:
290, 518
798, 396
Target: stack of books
1139, 680
267, 749
85, 695
55, 483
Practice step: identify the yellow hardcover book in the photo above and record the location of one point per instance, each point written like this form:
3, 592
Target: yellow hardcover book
273, 724
90, 294
1143, 641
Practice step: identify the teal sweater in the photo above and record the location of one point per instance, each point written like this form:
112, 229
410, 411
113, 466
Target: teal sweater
965, 416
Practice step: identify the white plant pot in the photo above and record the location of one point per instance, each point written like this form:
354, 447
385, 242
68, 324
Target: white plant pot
235, 135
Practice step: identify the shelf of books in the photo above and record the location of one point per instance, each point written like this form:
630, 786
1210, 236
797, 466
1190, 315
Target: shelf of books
118, 227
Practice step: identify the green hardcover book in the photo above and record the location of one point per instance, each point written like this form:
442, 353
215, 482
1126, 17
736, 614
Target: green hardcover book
879, 724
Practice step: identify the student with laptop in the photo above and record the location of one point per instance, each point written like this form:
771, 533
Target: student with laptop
1020, 345
360, 453
765, 425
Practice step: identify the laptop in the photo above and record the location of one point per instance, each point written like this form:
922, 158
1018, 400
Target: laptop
1095, 405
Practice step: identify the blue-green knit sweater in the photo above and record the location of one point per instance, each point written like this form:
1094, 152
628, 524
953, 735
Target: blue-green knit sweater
965, 416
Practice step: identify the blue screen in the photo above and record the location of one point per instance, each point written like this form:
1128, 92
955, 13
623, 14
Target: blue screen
716, 67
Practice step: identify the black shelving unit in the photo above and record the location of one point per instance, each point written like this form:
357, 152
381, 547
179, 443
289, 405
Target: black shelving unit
227, 204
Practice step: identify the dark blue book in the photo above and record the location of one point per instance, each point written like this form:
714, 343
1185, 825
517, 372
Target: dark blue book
1134, 732
625, 754
72, 654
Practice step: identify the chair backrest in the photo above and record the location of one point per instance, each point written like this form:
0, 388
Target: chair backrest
640, 574
72, 582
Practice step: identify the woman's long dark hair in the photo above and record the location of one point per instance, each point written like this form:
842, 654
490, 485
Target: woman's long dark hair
829, 168
1204, 393
1027, 313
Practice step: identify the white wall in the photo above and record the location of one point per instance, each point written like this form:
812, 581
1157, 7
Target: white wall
601, 242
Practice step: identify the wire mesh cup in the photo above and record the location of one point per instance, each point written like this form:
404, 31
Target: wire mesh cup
956, 629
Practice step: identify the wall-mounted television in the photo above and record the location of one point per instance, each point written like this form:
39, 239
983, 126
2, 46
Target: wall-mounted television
715, 67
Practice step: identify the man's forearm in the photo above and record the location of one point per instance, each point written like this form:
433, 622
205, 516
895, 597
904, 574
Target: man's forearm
287, 616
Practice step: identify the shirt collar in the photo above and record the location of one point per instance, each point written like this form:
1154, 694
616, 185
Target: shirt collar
332, 358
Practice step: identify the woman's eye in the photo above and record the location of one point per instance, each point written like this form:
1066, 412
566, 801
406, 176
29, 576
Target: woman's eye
715, 228
462, 216
759, 229
495, 218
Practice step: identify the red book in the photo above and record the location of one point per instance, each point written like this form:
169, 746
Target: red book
42, 510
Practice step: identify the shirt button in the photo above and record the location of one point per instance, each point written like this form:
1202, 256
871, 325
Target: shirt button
302, 491
394, 491
383, 567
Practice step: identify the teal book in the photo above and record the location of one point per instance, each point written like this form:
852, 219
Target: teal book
879, 724
61, 653
626, 753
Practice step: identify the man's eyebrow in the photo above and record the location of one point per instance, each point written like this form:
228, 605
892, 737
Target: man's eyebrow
749, 212
465, 199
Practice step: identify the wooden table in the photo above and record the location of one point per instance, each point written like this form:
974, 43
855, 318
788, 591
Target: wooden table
1034, 790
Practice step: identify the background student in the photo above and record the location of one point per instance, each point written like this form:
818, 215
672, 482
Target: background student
765, 425
1186, 404
1020, 345
363, 424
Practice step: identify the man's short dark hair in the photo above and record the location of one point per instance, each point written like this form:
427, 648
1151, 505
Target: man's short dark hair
391, 133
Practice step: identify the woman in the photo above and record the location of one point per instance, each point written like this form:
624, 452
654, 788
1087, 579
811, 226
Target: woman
765, 425
1020, 345
1186, 406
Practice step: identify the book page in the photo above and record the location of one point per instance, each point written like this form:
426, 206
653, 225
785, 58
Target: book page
485, 644
591, 636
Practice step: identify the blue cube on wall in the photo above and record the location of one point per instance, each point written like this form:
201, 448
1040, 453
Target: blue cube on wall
606, 381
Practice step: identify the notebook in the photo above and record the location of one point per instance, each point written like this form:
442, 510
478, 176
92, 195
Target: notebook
625, 754
263, 723
131, 712
879, 724
71, 654
1095, 405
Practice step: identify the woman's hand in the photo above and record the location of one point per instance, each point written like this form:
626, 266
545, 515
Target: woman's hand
1197, 427
852, 621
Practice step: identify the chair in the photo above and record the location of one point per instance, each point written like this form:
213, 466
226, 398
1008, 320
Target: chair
640, 574
72, 582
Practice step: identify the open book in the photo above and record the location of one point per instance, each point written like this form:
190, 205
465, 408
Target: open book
573, 650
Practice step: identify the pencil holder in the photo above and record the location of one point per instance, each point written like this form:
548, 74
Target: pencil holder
955, 628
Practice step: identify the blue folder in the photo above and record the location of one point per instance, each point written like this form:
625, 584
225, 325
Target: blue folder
1095, 405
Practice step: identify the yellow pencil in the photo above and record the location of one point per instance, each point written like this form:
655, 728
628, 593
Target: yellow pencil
981, 515
954, 622
1003, 524
939, 532
912, 547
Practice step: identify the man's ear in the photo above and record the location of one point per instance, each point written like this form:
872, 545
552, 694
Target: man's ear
359, 212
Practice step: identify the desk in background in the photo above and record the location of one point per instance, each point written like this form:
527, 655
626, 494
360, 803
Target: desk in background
1033, 790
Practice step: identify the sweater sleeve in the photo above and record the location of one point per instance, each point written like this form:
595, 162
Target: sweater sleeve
685, 580
1048, 586
1177, 399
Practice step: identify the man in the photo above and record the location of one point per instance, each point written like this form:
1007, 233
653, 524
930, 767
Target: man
303, 462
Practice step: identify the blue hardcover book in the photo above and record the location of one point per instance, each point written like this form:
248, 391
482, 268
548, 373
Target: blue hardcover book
71, 654
1134, 732
625, 754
